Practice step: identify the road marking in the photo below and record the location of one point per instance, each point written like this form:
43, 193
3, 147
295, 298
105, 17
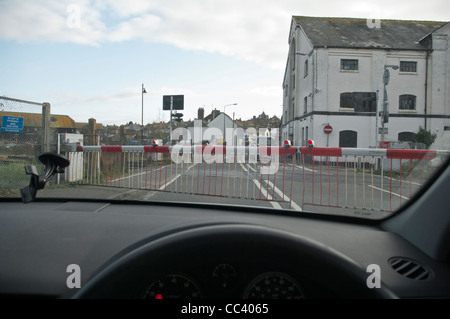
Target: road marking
269, 197
403, 180
388, 191
190, 167
138, 174
149, 195
306, 169
170, 182
284, 196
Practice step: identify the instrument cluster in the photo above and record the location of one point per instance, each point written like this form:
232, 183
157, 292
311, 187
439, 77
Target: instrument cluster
225, 281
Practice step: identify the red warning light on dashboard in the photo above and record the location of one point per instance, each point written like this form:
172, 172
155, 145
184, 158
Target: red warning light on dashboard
158, 296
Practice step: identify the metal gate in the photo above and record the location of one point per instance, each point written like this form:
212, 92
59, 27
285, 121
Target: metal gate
24, 134
256, 173
345, 180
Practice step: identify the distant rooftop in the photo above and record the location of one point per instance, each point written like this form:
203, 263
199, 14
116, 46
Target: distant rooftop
35, 119
355, 33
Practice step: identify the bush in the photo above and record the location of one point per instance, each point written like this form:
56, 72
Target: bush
424, 136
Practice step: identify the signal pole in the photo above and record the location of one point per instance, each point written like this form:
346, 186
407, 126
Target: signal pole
170, 121
385, 117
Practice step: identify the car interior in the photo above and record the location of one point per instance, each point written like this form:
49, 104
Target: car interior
176, 250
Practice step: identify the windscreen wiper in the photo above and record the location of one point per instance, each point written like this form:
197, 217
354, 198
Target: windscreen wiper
53, 164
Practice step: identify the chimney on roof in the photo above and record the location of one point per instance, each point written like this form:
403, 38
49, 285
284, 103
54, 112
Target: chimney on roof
201, 114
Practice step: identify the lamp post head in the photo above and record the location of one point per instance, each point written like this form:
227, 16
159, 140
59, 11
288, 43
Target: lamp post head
394, 67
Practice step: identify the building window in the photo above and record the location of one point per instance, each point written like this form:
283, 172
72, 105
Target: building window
346, 101
407, 66
407, 102
293, 82
306, 136
349, 65
305, 105
303, 137
306, 68
365, 101
348, 139
359, 101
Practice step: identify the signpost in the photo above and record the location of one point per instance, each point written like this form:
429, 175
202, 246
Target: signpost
12, 124
385, 113
327, 129
170, 103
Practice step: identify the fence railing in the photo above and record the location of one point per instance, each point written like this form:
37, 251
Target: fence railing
368, 179
198, 170
24, 134
296, 177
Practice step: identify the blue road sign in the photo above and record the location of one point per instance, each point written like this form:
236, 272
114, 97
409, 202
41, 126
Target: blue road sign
12, 124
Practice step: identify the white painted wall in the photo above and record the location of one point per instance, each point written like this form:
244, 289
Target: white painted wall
325, 83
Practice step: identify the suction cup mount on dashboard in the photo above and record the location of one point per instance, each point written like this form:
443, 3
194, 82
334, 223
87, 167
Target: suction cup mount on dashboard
53, 164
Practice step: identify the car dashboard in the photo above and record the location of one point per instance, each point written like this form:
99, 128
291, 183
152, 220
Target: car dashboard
188, 251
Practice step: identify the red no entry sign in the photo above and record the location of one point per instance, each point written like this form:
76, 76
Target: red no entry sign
327, 129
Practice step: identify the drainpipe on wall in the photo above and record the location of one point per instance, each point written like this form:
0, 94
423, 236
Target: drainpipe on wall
314, 86
426, 87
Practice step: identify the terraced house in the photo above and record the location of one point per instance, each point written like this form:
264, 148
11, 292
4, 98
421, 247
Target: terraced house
335, 75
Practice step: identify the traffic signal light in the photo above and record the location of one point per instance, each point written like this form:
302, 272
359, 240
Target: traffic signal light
310, 144
178, 117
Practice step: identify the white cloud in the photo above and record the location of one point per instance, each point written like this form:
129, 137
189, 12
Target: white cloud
268, 91
245, 29
254, 30
48, 21
135, 28
125, 9
68, 98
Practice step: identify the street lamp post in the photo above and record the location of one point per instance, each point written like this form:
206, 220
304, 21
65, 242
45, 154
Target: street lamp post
224, 142
142, 115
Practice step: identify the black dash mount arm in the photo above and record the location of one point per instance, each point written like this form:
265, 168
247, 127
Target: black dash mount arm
53, 164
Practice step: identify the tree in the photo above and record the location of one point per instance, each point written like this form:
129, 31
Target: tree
424, 136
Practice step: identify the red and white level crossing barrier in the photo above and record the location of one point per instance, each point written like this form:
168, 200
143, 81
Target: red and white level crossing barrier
361, 178
345, 179
256, 173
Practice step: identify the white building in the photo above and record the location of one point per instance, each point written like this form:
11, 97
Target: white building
212, 128
335, 67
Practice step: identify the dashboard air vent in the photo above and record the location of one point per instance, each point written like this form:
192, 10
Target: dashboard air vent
410, 268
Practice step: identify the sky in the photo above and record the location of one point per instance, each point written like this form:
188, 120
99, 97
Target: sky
90, 58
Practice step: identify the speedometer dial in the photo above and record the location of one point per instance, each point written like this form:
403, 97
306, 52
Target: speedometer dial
273, 285
173, 287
